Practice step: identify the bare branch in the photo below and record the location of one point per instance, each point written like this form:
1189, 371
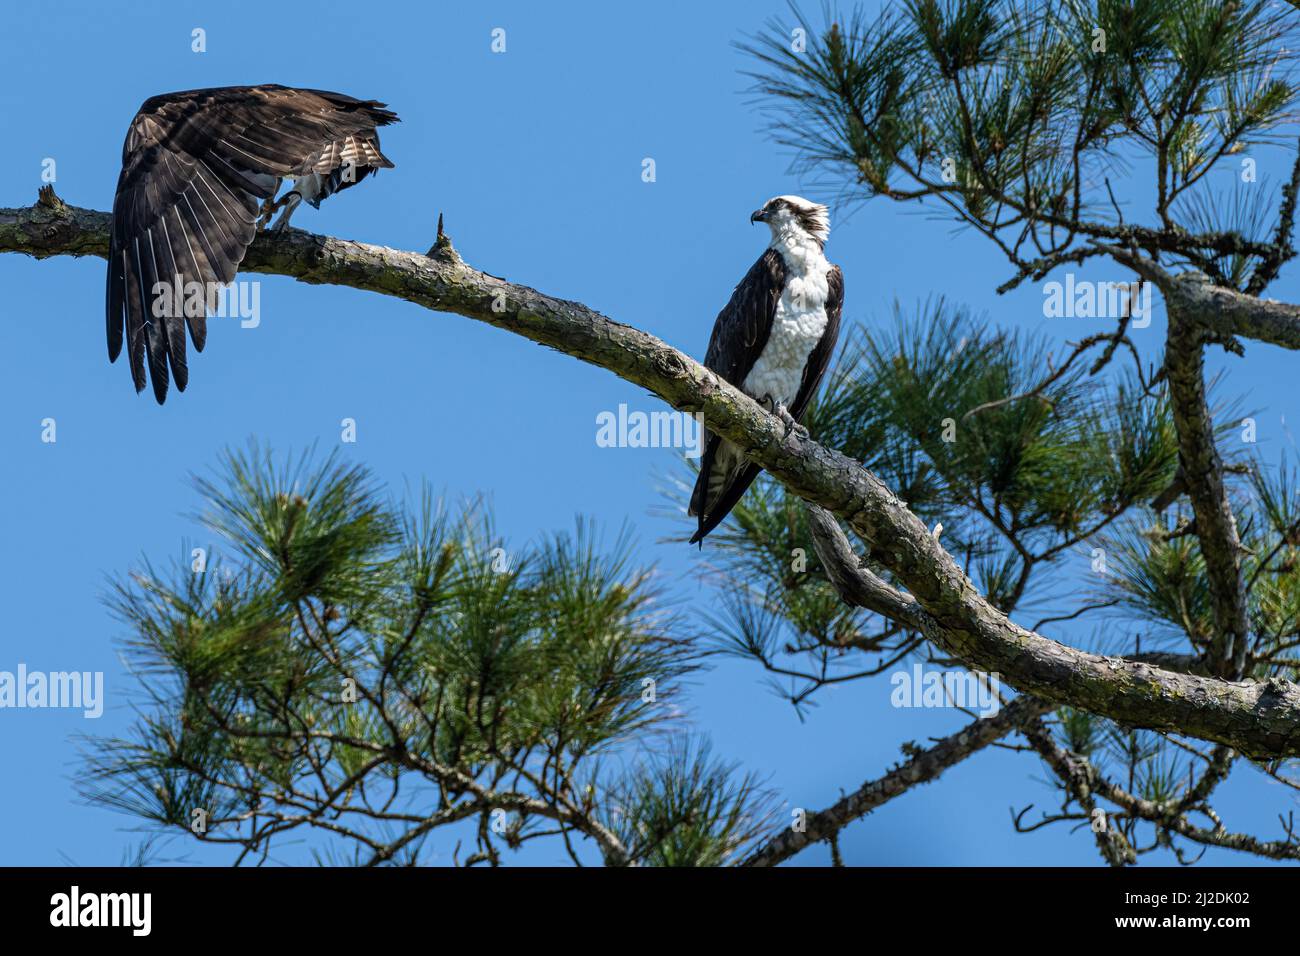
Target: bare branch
922, 768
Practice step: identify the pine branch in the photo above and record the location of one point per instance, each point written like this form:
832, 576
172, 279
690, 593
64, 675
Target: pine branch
1166, 816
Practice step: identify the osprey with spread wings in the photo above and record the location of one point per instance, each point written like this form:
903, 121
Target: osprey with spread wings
200, 173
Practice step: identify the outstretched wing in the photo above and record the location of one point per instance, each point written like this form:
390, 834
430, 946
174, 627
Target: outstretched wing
739, 335
195, 166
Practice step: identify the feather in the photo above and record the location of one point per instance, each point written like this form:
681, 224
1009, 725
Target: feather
195, 167
740, 335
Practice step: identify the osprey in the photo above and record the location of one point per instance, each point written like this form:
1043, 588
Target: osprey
773, 341
195, 166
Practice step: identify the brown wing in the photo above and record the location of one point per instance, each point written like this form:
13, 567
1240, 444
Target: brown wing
739, 335
195, 165
742, 327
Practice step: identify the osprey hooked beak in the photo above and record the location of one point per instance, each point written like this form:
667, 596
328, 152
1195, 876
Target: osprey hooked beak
758, 215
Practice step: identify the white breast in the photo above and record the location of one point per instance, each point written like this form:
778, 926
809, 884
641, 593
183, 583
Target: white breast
797, 327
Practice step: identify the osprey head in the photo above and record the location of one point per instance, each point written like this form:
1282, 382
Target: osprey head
794, 214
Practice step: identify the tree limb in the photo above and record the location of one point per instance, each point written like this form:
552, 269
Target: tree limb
1168, 815
1202, 468
1200, 312
1221, 311
922, 768
1257, 719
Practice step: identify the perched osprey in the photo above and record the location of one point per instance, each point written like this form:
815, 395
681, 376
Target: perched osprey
195, 166
773, 341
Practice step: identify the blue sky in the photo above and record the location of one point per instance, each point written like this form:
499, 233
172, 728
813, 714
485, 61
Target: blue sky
535, 157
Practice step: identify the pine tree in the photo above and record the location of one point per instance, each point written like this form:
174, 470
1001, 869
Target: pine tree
373, 671
1018, 121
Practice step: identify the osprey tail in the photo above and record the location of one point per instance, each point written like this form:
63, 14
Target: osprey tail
725, 475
